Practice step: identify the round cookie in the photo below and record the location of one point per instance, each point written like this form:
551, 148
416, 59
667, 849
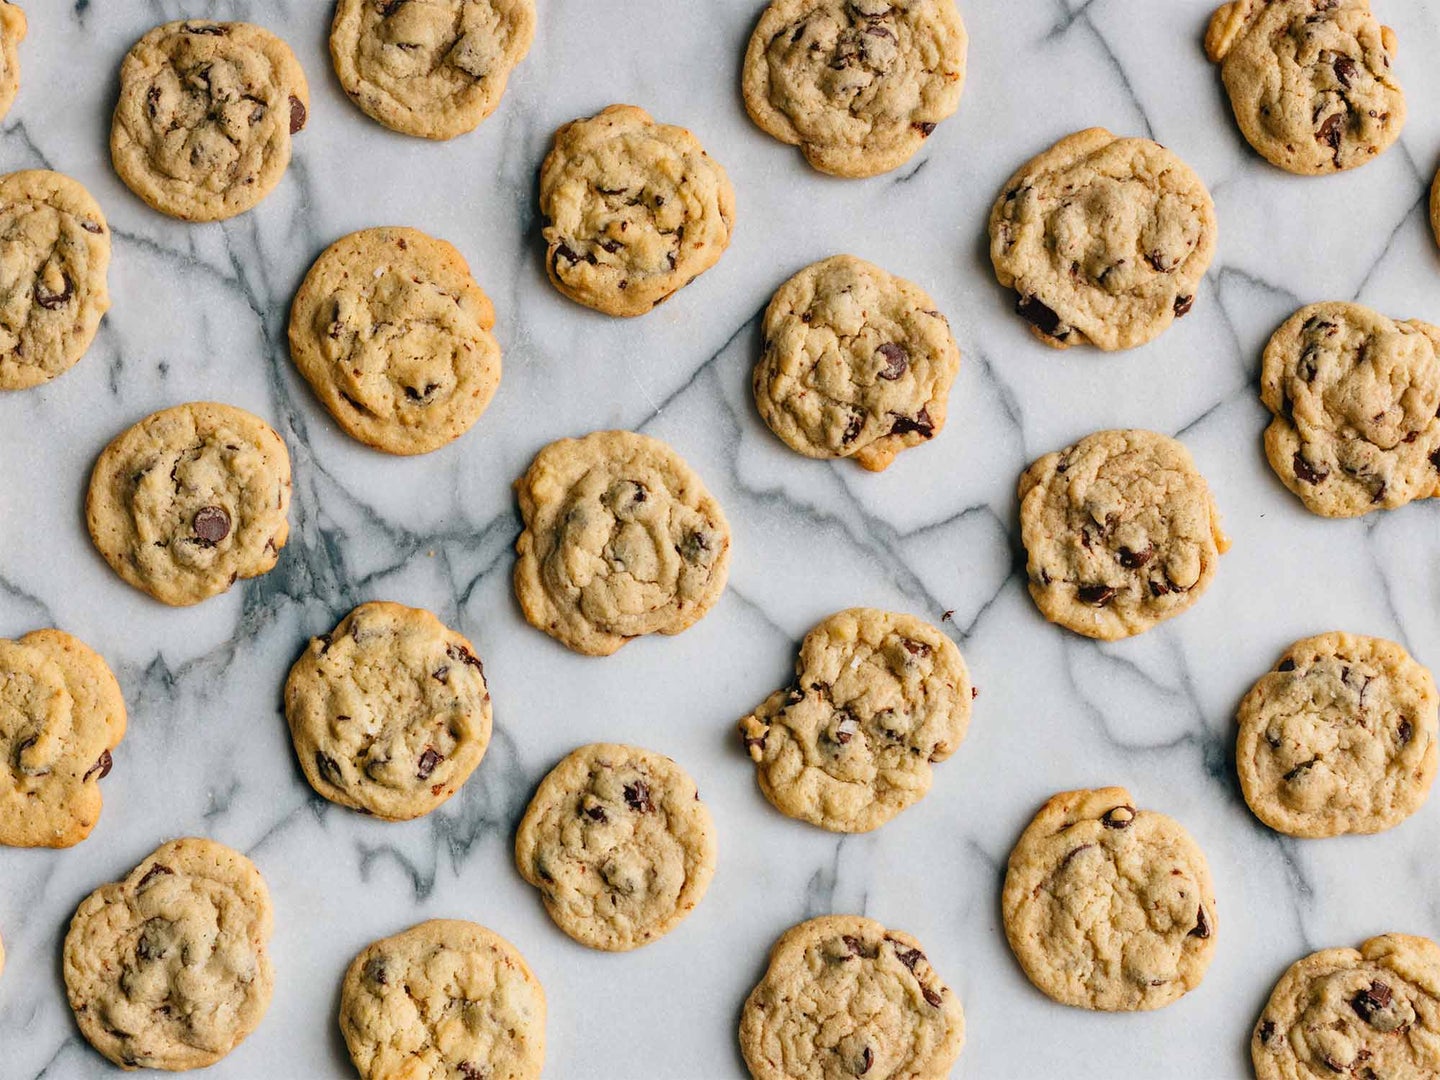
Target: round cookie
1108, 907
1104, 239
621, 539
189, 500
442, 1000
53, 285
168, 969
619, 844
858, 85
634, 210
855, 363
1354, 397
1120, 533
1310, 82
12, 32
843, 996
433, 68
877, 698
206, 110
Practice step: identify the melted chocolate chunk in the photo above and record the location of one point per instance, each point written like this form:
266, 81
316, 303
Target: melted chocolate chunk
866, 1060
150, 875
1034, 311
1096, 595
924, 127
637, 797
1119, 817
1404, 732
1202, 925
1133, 560
428, 761
897, 360
211, 524
920, 423
102, 766
1183, 304
1311, 474
50, 301
328, 768
297, 114
930, 996
1285, 665
1373, 999
597, 813
375, 971
1345, 70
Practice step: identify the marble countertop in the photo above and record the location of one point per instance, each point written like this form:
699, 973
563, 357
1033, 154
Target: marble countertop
199, 313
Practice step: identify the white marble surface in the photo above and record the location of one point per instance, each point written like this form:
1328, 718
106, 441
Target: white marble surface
199, 313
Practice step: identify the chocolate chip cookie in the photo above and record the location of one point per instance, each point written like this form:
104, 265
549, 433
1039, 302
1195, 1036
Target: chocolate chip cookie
621, 539
634, 210
855, 363
1120, 533
1104, 239
1310, 80
168, 969
191, 499
12, 32
206, 111
1109, 907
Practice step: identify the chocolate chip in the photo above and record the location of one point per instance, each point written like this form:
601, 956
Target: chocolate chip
1345, 70
908, 957
920, 423
1183, 304
637, 797
1158, 263
428, 761
562, 251
1202, 925
211, 524
465, 656
866, 1060
597, 813
1334, 1065
916, 648
1119, 817
151, 874
1033, 310
297, 114
1435, 459
1095, 595
421, 395
1133, 560
50, 301
846, 729
1375, 998
854, 427
897, 360
102, 766
1311, 474
1299, 770
1404, 732
612, 246
1285, 665
440, 672
328, 768
924, 127
470, 1071
1266, 1031
854, 944
1329, 133
93, 227
206, 29
930, 996
375, 971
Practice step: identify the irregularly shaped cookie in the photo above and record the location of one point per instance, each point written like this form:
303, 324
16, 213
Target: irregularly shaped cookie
1354, 397
1109, 907
846, 997
1120, 532
858, 85
54, 259
189, 500
168, 969
854, 363
1104, 239
634, 210
444, 1000
433, 68
1309, 80
12, 32
621, 539
206, 110
877, 697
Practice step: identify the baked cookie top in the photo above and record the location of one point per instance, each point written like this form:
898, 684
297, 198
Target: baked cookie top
53, 288
1309, 80
634, 210
1120, 533
206, 111
1109, 907
1104, 239
858, 85
855, 363
1354, 397
621, 539
843, 996
442, 1000
619, 844
12, 32
877, 697
168, 969
433, 68
190, 499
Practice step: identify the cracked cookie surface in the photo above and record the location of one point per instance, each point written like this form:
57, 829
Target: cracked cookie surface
12, 32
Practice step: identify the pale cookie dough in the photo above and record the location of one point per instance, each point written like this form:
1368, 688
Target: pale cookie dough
1120, 533
621, 539
855, 363
206, 111
54, 263
877, 698
634, 210
1355, 398
393, 335
168, 969
858, 85
619, 844
1109, 907
1104, 239
444, 1000
1309, 80
389, 712
845, 997
12, 32
189, 500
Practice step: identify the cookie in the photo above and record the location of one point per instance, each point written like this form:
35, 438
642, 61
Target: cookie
858, 85
619, 844
621, 539
442, 1000
189, 500
634, 210
1109, 907
855, 363
206, 111
877, 697
1104, 239
1310, 82
843, 996
1354, 397
168, 969
53, 286
12, 32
